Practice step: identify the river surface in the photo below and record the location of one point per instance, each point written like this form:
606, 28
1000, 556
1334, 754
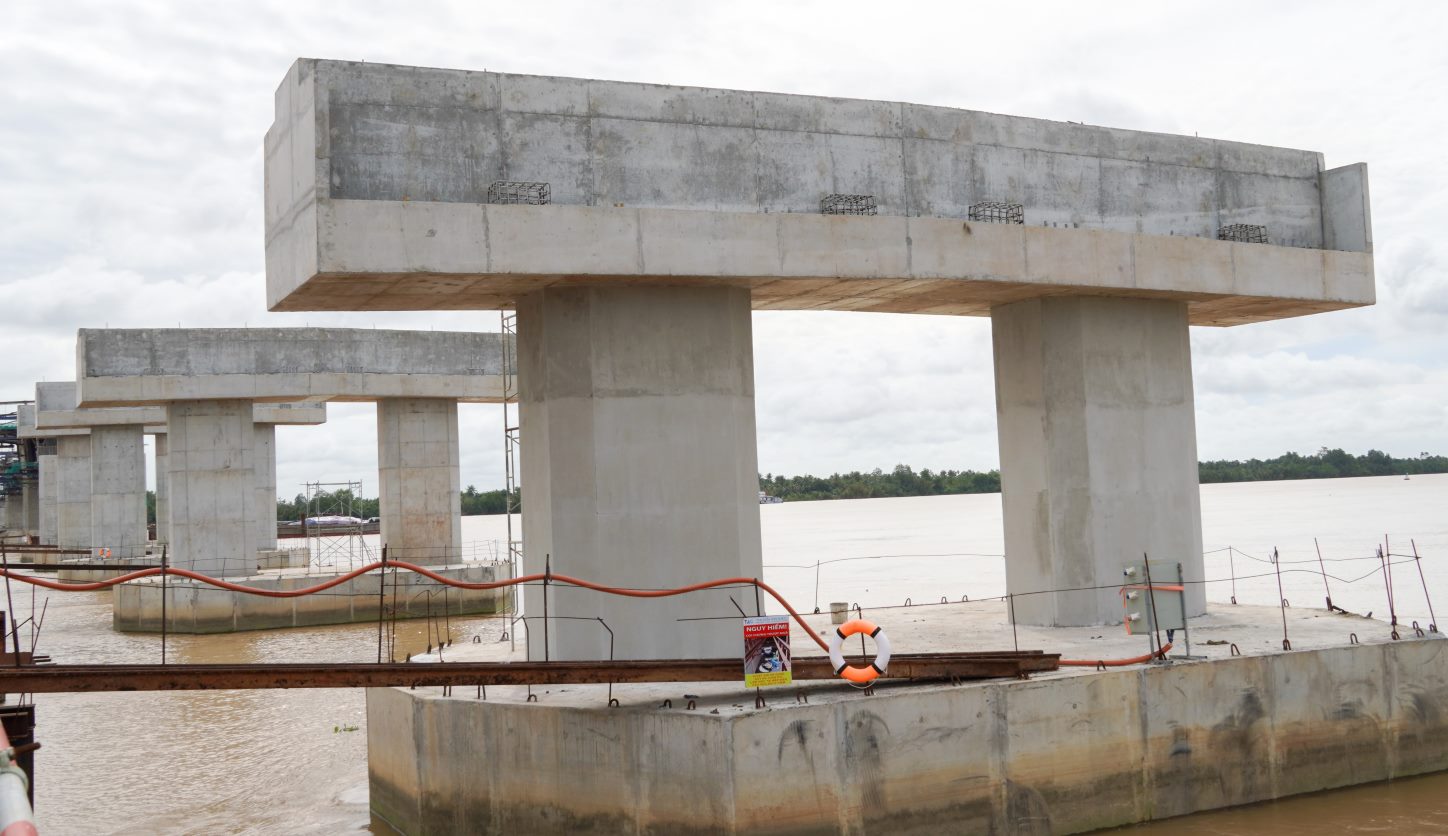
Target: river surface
295, 762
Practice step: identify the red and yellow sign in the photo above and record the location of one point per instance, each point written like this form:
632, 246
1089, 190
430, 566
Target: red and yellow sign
766, 651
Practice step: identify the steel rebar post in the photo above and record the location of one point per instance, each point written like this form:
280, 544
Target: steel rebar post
1388, 584
1011, 606
1151, 598
1388, 566
381, 600
163, 605
1232, 565
1281, 601
1323, 568
1418, 561
10, 604
547, 576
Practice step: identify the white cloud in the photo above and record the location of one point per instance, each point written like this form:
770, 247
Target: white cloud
130, 189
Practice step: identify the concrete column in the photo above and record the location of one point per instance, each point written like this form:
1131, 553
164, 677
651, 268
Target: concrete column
163, 490
30, 489
1098, 450
638, 465
118, 490
213, 488
47, 470
13, 506
264, 463
420, 504
30, 500
73, 492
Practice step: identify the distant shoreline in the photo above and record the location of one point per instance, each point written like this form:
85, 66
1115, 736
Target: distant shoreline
905, 481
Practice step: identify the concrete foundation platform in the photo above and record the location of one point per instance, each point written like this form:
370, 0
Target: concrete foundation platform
282, 558
69, 574
195, 607
1066, 752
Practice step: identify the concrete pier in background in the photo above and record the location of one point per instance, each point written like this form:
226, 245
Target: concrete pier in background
163, 489
639, 465
225, 388
419, 493
1098, 451
47, 490
264, 502
118, 490
212, 486
73, 492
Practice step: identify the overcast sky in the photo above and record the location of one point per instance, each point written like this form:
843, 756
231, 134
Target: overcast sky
131, 156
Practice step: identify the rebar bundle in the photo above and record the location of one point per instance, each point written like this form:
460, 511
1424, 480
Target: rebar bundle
848, 204
997, 212
510, 191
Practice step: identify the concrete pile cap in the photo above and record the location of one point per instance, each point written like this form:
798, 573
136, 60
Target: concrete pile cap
659, 184
133, 367
56, 409
58, 414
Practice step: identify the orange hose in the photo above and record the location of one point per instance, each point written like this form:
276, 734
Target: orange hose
1114, 663
428, 573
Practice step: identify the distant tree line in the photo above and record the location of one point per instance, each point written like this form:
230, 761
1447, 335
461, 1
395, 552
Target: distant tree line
905, 481
902, 481
1325, 464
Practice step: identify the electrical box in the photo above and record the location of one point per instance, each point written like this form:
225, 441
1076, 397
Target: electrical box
1169, 612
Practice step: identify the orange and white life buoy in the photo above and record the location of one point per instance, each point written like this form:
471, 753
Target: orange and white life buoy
837, 657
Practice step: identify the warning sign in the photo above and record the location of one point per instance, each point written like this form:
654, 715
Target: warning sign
766, 651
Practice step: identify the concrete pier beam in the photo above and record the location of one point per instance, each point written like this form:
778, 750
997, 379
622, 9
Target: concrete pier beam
1098, 451
163, 489
118, 490
639, 464
213, 486
420, 501
73, 491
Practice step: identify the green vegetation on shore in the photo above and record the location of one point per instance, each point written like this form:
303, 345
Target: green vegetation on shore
904, 481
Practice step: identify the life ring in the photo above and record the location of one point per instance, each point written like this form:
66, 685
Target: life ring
863, 675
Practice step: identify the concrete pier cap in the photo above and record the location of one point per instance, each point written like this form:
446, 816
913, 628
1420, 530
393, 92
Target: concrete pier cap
222, 389
686, 190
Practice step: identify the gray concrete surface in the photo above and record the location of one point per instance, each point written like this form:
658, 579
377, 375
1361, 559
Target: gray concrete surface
419, 493
1098, 452
1347, 215
30, 503
118, 490
264, 466
45, 467
375, 176
212, 487
163, 489
193, 607
639, 465
1067, 752
73, 492
118, 367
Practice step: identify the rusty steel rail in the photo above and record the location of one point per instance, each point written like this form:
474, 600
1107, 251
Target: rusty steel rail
84, 678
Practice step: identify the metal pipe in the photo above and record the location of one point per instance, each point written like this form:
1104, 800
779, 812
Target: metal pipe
17, 818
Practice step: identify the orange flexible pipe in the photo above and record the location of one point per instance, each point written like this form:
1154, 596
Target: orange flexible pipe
1114, 663
428, 573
